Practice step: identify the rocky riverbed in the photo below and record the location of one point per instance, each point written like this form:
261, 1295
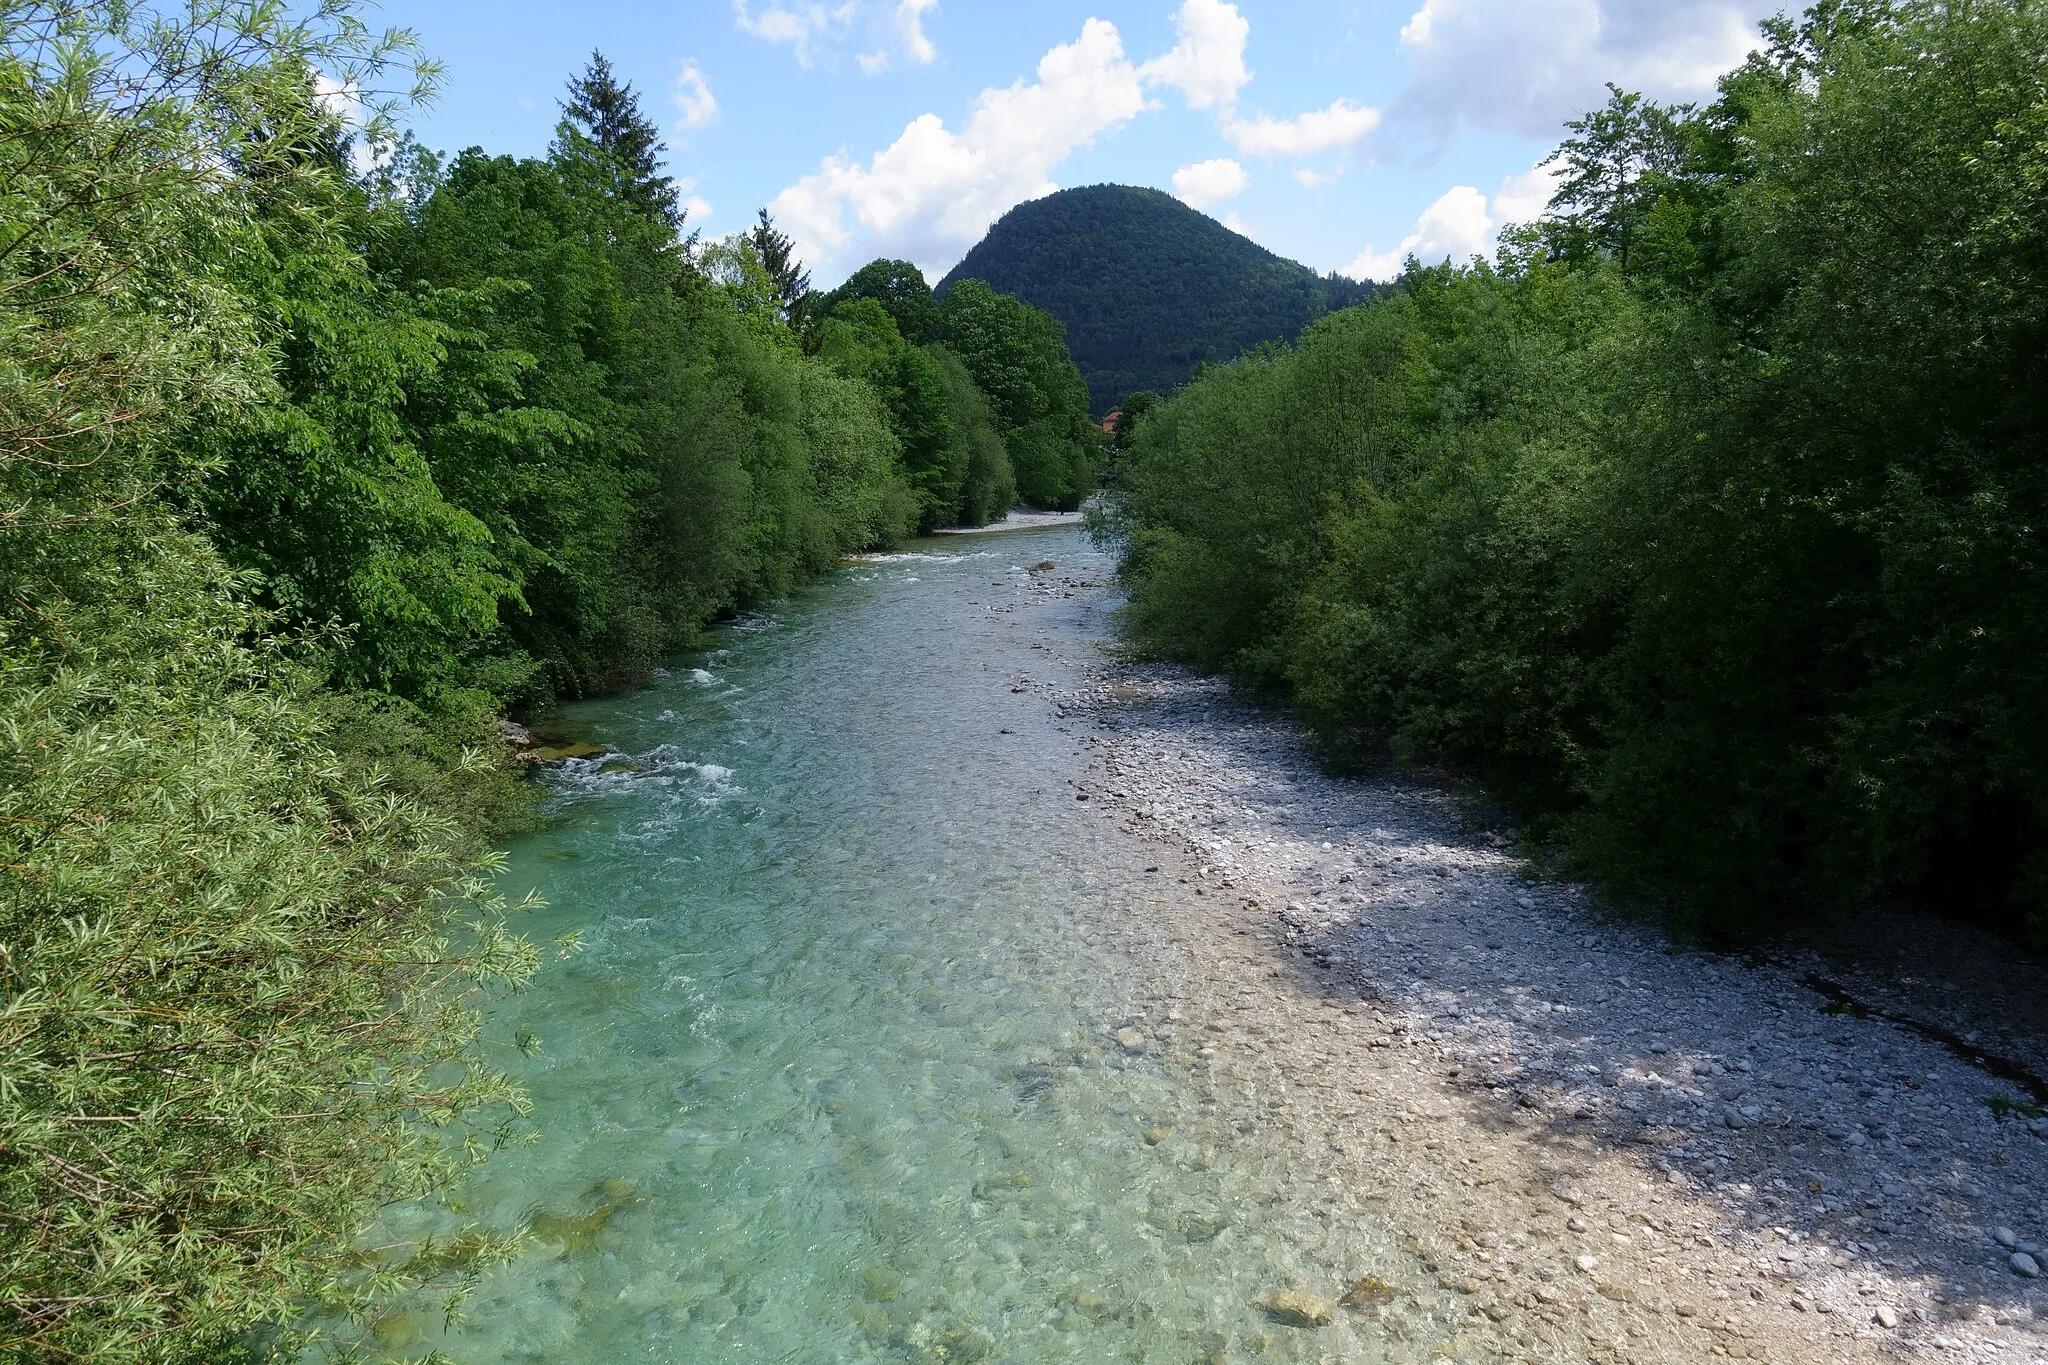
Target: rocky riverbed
1601, 1146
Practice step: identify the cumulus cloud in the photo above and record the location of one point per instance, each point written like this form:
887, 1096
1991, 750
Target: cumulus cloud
930, 195
1523, 198
1341, 125
1207, 66
695, 207
1522, 67
815, 30
691, 94
1207, 63
1209, 182
1456, 228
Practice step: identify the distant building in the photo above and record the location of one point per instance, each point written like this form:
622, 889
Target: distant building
1109, 423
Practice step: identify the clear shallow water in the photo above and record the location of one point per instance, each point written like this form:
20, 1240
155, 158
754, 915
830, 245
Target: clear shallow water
835, 1077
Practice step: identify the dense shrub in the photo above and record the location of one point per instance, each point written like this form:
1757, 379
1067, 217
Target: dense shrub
1707, 525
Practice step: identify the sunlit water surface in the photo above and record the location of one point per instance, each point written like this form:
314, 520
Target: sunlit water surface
834, 1076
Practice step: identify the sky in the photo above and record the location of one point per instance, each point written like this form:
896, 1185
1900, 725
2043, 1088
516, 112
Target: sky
1345, 134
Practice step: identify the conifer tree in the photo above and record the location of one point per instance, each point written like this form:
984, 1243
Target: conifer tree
601, 121
778, 257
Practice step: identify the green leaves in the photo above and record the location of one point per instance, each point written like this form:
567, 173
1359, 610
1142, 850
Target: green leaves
1707, 528
1018, 357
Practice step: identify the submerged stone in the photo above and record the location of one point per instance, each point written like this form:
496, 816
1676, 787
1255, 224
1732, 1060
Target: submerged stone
568, 1233
881, 1284
1369, 1291
1299, 1308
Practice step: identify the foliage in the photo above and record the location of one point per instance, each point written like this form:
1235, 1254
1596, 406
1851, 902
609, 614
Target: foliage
603, 130
1018, 357
988, 486
791, 283
900, 288
955, 462
237, 1013
1707, 525
237, 1016
1149, 289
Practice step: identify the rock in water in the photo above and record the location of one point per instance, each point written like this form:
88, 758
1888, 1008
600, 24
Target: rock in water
1369, 1291
1297, 1308
569, 1233
881, 1284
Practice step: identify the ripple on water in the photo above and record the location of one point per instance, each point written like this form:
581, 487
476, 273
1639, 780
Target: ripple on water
839, 1074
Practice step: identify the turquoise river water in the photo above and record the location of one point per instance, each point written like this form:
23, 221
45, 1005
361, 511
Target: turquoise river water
834, 1076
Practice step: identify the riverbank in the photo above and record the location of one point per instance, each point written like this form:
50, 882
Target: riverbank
1606, 1148
1019, 519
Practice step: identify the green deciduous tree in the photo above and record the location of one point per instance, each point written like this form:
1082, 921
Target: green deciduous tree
1018, 357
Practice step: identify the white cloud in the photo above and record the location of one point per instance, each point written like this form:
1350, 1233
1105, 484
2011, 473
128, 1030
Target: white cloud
798, 25
1209, 182
1313, 179
1456, 228
813, 29
1237, 225
1524, 66
692, 96
1461, 224
1207, 64
695, 207
1523, 198
1322, 130
340, 98
910, 24
930, 195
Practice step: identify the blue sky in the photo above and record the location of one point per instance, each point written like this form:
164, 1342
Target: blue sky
1341, 134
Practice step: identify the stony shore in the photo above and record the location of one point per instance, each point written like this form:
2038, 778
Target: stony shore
1600, 1145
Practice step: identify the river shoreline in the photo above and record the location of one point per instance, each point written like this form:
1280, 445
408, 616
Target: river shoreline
1605, 1147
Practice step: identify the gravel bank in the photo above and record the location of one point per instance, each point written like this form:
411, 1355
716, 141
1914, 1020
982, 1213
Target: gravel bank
1606, 1148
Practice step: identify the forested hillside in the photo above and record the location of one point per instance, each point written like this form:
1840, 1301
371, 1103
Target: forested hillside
1148, 288
1708, 525
319, 451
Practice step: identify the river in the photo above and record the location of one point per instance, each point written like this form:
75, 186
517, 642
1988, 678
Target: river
859, 1059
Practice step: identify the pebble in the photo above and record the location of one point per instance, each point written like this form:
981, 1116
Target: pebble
2006, 1238
2023, 1264
1839, 1128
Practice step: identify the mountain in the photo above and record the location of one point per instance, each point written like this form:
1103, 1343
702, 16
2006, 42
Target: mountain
1147, 287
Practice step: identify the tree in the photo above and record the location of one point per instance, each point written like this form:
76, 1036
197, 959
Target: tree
791, 282
238, 1019
602, 123
1018, 356
900, 288
1617, 165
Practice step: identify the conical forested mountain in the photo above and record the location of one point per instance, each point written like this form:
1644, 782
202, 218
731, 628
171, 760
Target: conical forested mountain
1148, 288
